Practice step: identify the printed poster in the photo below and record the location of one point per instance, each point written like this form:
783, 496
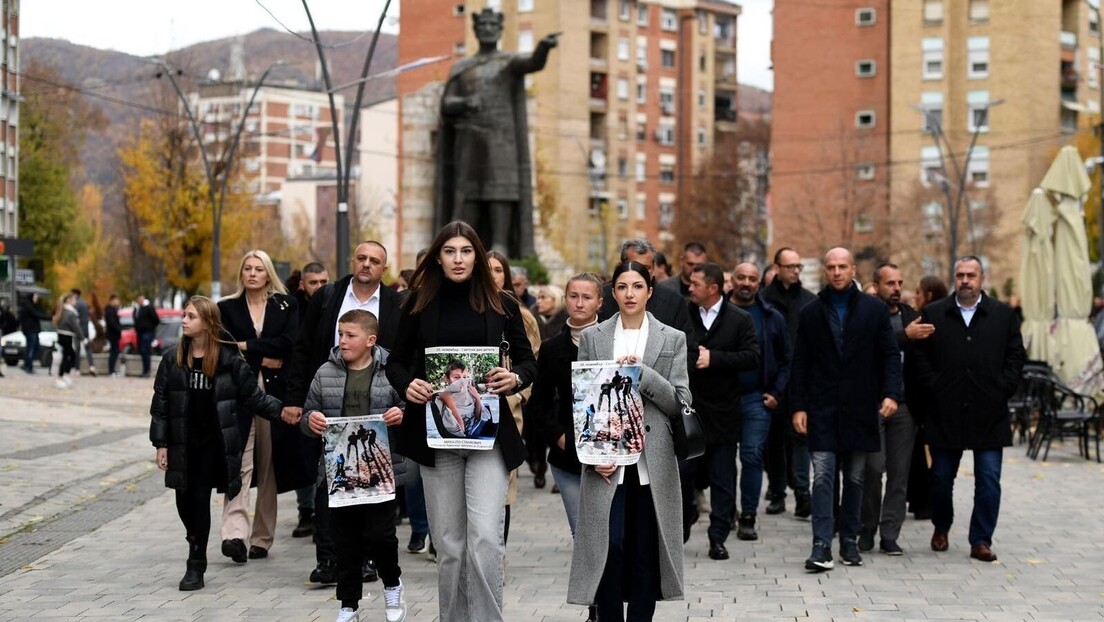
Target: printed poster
608, 412
358, 461
463, 413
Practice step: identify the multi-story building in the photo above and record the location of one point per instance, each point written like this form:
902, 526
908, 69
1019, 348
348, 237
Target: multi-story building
884, 110
629, 105
9, 121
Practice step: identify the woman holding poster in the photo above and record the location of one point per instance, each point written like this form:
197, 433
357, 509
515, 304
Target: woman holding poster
456, 314
628, 541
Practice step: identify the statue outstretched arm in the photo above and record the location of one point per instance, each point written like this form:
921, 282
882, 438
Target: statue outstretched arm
535, 62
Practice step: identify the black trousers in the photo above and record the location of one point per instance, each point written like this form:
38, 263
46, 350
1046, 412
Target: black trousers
68, 355
193, 503
354, 527
632, 563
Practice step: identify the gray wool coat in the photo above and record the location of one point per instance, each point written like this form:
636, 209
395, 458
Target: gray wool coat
663, 383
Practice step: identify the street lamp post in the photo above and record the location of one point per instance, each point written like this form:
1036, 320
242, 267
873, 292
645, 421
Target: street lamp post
954, 203
216, 190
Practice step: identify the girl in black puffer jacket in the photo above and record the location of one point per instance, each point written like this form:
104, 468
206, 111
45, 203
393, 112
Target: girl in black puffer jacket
204, 395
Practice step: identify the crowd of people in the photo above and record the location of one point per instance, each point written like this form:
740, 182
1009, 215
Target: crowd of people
823, 396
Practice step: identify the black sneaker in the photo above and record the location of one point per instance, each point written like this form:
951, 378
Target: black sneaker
235, 550
306, 525
866, 542
803, 508
849, 553
417, 543
820, 559
368, 572
325, 573
776, 506
890, 547
745, 529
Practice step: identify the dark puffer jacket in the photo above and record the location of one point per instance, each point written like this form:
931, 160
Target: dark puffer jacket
237, 399
327, 395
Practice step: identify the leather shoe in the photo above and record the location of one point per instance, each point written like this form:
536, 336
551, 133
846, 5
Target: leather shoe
717, 550
939, 541
983, 553
257, 552
234, 549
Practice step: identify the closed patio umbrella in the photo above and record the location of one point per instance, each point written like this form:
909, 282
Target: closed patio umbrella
1037, 289
1076, 356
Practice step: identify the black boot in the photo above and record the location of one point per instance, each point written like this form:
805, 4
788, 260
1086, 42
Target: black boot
197, 565
306, 524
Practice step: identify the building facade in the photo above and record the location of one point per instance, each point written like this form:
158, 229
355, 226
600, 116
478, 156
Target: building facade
629, 105
9, 121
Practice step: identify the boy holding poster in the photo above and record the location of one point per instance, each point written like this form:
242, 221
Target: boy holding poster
349, 399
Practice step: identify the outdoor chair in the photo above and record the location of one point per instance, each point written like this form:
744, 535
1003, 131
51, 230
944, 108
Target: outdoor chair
1063, 413
1024, 403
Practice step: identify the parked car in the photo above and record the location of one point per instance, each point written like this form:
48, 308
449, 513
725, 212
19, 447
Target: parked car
165, 337
14, 345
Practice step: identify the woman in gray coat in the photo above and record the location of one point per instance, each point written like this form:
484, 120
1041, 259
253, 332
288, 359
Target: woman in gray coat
628, 542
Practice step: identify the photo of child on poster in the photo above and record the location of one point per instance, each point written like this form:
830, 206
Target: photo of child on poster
358, 461
463, 413
608, 412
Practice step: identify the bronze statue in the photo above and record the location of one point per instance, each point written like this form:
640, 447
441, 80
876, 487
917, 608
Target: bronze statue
484, 174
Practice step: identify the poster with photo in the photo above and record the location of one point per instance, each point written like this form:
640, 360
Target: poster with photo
463, 413
358, 461
607, 411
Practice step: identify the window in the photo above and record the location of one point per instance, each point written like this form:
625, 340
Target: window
932, 104
667, 58
666, 213
641, 90
865, 17
667, 100
641, 167
623, 89
525, 41
641, 207
642, 53
933, 11
703, 22
622, 167
458, 10
931, 165
979, 10
701, 98
666, 173
623, 10
865, 68
622, 209
665, 134
977, 103
1094, 23
864, 119
668, 19
623, 49
622, 128
459, 49
525, 6
864, 223
703, 137
932, 54
1092, 76
977, 58
641, 15
978, 170
864, 172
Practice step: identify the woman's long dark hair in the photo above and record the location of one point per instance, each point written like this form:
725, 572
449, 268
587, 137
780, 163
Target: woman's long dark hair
632, 266
933, 288
429, 275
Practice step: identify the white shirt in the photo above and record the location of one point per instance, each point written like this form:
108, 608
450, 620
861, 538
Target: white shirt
350, 302
709, 315
628, 341
967, 312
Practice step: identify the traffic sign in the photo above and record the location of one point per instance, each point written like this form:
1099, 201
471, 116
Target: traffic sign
24, 276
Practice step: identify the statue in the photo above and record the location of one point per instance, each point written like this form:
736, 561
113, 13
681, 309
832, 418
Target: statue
484, 175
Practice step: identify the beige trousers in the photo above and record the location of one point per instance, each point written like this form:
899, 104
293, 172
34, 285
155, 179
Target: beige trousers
235, 512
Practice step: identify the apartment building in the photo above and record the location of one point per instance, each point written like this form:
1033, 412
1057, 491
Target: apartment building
9, 120
630, 103
884, 110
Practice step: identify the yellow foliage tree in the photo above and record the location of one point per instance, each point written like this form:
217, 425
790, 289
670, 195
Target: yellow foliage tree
99, 268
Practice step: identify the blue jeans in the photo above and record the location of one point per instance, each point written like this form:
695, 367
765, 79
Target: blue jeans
569, 493
465, 495
415, 498
145, 348
304, 498
31, 352
987, 491
824, 498
801, 460
753, 440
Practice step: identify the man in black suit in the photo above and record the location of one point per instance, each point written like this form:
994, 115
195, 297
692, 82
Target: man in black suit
727, 346
361, 289
693, 255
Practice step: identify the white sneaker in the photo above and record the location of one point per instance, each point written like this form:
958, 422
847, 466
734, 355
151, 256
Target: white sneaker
348, 615
68, 381
60, 383
394, 604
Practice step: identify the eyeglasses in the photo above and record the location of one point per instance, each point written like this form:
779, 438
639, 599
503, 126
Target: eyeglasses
792, 266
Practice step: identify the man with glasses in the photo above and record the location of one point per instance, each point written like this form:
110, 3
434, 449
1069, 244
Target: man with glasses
787, 452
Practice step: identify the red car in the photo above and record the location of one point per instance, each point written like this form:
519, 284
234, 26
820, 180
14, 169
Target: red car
165, 337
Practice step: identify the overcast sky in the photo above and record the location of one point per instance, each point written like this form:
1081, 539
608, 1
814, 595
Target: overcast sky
151, 27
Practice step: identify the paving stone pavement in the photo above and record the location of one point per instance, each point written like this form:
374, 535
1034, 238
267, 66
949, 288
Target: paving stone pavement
83, 508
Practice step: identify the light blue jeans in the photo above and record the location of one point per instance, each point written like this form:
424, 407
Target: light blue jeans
465, 495
569, 484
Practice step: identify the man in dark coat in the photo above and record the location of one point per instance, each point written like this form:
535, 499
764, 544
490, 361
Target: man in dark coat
846, 373
362, 289
761, 393
898, 432
970, 365
727, 346
787, 452
30, 322
145, 325
693, 255
113, 328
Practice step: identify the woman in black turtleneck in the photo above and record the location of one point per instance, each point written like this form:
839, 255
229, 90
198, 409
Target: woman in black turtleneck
454, 303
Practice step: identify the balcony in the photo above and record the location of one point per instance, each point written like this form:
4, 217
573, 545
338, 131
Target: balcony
599, 18
1068, 39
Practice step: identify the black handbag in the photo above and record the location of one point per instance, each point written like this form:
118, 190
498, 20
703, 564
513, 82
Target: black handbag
688, 433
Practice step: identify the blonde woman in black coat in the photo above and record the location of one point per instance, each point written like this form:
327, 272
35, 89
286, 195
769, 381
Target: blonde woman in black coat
203, 391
